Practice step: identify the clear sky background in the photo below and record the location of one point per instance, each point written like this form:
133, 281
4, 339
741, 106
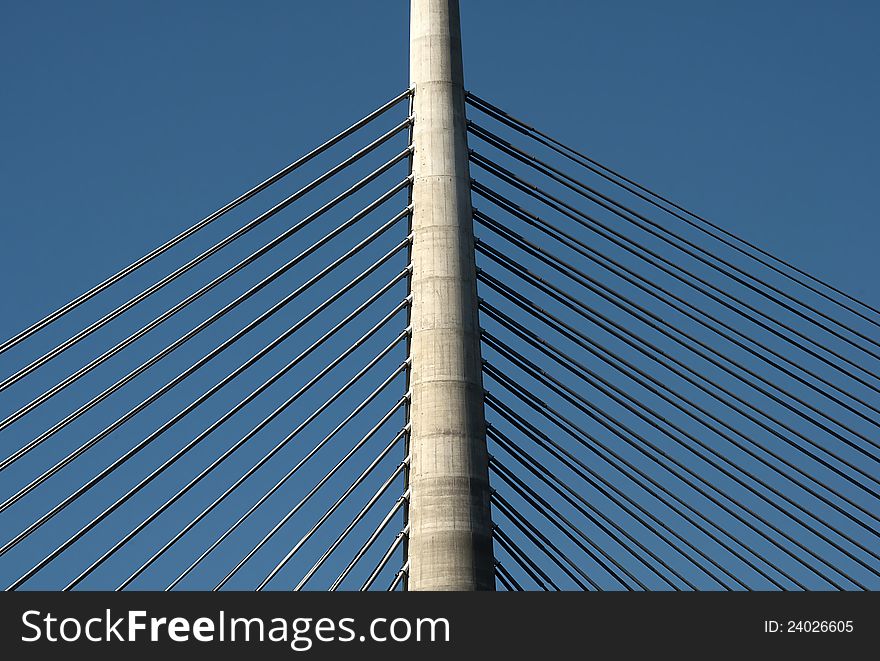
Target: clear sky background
121, 124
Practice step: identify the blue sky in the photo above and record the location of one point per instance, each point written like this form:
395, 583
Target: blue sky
123, 123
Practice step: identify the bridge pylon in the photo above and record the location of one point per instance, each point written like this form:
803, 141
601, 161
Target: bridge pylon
450, 530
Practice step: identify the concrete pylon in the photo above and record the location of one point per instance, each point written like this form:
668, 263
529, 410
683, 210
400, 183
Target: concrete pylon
450, 541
